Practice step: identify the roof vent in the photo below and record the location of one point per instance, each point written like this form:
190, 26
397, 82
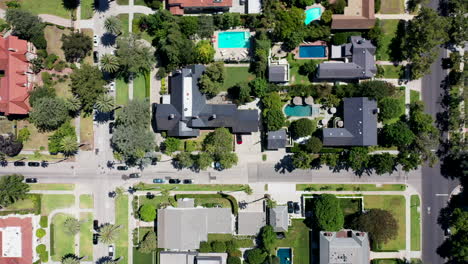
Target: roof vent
185, 109
171, 116
213, 116
364, 51
12, 49
195, 117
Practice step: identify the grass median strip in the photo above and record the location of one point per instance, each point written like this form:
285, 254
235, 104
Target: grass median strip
86, 235
350, 187
191, 187
415, 223
51, 187
51, 202
121, 218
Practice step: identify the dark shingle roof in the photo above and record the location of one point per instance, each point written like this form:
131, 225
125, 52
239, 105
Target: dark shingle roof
360, 124
277, 139
277, 73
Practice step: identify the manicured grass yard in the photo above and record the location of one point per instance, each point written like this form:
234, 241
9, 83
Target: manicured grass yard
122, 2
36, 139
121, 92
88, 32
143, 258
121, 218
400, 95
415, 96
86, 235
86, 201
87, 9
389, 28
295, 76
350, 187
52, 7
235, 75
7, 126
297, 238
141, 86
124, 19
52, 186
156, 201
350, 205
61, 242
393, 72
241, 242
192, 187
396, 205
21, 205
62, 89
136, 29
392, 7
415, 223
53, 35
51, 202
86, 132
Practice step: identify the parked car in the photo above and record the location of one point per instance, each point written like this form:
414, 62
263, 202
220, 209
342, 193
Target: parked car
111, 127
95, 57
239, 139
34, 164
95, 239
188, 181
96, 40
31, 180
19, 163
290, 207
112, 194
96, 225
134, 175
297, 208
112, 86
122, 168
111, 251
158, 181
447, 232
112, 115
174, 181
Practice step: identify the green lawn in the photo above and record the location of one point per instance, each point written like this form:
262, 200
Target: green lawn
143, 258
135, 29
24, 204
86, 235
51, 202
415, 223
141, 86
121, 218
140, 2
400, 95
295, 76
392, 72
86, 132
52, 7
392, 7
297, 238
37, 139
415, 96
61, 243
350, 187
396, 205
86, 201
124, 19
122, 2
53, 35
350, 205
7, 126
52, 186
90, 33
156, 201
121, 92
241, 242
235, 75
191, 187
87, 9
389, 28
386, 261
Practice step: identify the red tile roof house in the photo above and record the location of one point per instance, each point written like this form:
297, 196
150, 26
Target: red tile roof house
180, 7
16, 240
16, 75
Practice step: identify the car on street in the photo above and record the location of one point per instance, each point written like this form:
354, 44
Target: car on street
131, 190
96, 40
111, 251
174, 181
134, 175
95, 57
31, 180
122, 168
19, 163
158, 181
95, 239
112, 194
111, 127
290, 207
188, 181
112, 86
96, 225
297, 208
34, 164
238, 139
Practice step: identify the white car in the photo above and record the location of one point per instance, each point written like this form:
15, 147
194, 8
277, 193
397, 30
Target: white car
96, 40
111, 251
112, 86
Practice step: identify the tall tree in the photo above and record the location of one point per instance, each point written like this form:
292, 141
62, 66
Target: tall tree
88, 84
71, 4
268, 239
328, 215
105, 103
76, 46
113, 25
73, 104
204, 52
49, 113
358, 159
25, 25
109, 63
149, 243
12, 189
383, 163
108, 233
380, 224
301, 160
71, 259
134, 57
69, 145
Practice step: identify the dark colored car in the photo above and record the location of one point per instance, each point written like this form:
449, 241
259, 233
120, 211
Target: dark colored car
111, 127
174, 181
131, 190
297, 208
158, 181
290, 207
19, 163
112, 194
96, 225
112, 115
239, 139
34, 164
95, 57
188, 181
122, 168
95, 239
134, 175
31, 180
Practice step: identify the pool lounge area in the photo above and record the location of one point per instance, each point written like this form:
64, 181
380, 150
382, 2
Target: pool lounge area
285, 255
232, 45
311, 50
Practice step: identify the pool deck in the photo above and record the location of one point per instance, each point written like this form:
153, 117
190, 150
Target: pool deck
315, 43
231, 54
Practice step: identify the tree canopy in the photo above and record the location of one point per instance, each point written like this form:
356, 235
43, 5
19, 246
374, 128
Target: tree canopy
147, 212
268, 239
219, 145
382, 163
390, 108
328, 215
49, 113
204, 52
398, 134
12, 189
26, 26
133, 56
302, 127
149, 243
87, 84
380, 224
76, 46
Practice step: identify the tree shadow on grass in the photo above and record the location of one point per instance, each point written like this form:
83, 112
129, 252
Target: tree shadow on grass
396, 45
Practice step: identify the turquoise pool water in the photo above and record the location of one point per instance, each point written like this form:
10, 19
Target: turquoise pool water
300, 110
233, 39
312, 51
312, 14
285, 255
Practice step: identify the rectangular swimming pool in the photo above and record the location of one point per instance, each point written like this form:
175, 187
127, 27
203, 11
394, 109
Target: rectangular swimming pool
312, 51
233, 39
285, 255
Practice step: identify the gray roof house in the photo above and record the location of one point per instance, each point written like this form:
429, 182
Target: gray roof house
345, 246
184, 228
277, 139
360, 124
186, 111
250, 223
359, 61
279, 218
184, 257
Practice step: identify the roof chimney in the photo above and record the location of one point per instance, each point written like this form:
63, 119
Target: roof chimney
171, 116
195, 117
213, 116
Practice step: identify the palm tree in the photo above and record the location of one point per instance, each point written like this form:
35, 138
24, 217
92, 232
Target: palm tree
113, 25
12, 189
72, 225
70, 259
73, 103
105, 103
108, 233
109, 63
69, 145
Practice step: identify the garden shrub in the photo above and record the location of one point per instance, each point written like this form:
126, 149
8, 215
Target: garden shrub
50, 60
44, 257
23, 134
218, 246
302, 127
40, 248
190, 145
44, 221
390, 108
235, 253
40, 233
341, 38
147, 212
233, 260
205, 247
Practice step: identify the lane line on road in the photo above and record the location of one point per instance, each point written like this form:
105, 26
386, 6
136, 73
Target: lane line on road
441, 194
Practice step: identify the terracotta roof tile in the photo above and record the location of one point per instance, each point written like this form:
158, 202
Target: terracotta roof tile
26, 239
